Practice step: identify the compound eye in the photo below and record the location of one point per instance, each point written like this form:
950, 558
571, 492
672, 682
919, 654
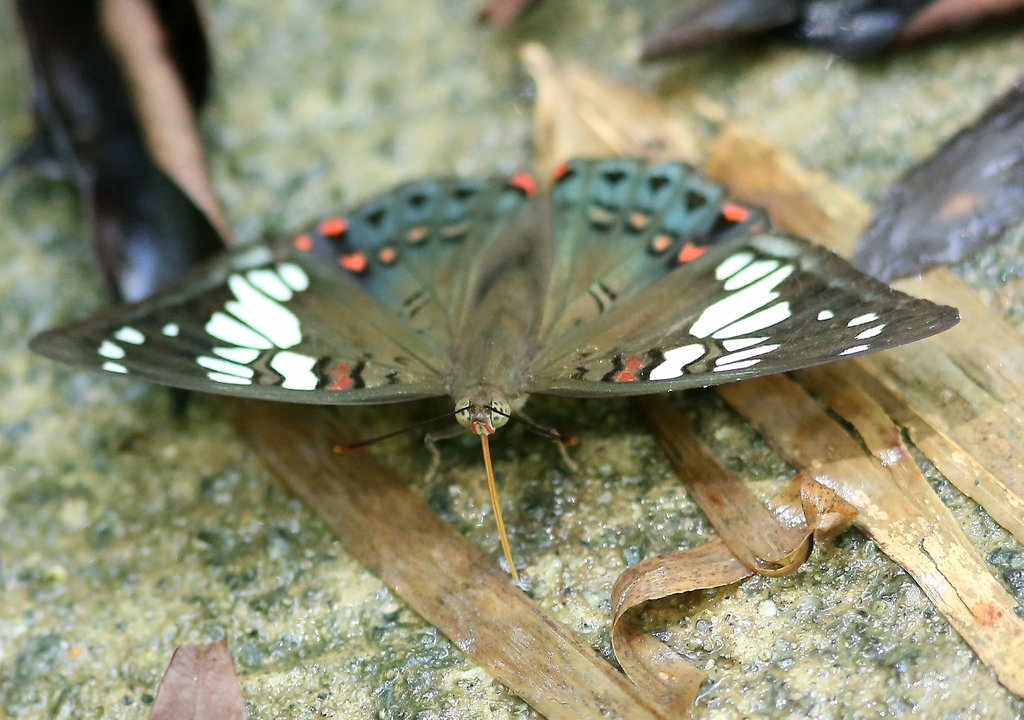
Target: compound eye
500, 410
462, 413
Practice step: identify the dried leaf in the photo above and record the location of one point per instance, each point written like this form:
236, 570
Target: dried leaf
164, 102
906, 520
853, 29
200, 684
962, 198
957, 392
806, 203
577, 114
654, 667
716, 22
759, 540
942, 16
438, 572
147, 231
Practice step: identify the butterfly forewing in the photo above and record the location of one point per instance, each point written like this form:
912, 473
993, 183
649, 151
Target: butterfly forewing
751, 305
292, 330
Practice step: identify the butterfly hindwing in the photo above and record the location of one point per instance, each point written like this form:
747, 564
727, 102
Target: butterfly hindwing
751, 305
421, 250
620, 225
252, 325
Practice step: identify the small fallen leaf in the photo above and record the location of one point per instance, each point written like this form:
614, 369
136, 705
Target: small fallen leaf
200, 684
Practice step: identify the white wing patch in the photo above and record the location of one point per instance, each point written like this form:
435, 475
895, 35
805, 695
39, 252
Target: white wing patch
752, 285
253, 321
111, 350
297, 370
741, 303
745, 354
677, 359
871, 332
862, 319
262, 323
264, 315
226, 328
733, 264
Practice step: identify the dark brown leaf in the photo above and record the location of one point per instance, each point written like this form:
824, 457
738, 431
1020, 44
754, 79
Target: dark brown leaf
960, 199
147, 232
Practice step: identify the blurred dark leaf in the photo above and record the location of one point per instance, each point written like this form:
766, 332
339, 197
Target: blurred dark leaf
186, 44
962, 198
199, 684
146, 231
854, 29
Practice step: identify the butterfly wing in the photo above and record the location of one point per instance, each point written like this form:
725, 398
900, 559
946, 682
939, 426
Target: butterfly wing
687, 300
364, 308
619, 226
255, 326
423, 250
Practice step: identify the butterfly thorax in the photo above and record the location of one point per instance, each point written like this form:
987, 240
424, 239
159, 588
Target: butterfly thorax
496, 343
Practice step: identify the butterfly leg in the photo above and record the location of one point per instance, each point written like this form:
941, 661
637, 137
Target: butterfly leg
430, 440
561, 441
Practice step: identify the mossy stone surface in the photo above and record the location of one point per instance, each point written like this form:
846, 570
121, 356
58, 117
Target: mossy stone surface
124, 533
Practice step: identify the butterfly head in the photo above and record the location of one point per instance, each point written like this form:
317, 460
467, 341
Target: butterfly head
483, 417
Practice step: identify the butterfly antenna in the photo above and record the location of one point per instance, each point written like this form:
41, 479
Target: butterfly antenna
349, 447
492, 487
538, 429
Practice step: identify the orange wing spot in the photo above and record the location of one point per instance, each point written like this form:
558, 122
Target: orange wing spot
690, 252
341, 378
356, 262
661, 243
332, 227
416, 234
638, 220
387, 255
735, 213
525, 182
303, 243
632, 365
561, 171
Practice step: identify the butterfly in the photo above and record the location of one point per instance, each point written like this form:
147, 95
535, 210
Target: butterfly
623, 279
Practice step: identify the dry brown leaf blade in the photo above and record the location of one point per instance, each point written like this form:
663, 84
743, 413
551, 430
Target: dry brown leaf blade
200, 683
443, 576
748, 530
658, 670
752, 533
923, 537
578, 114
